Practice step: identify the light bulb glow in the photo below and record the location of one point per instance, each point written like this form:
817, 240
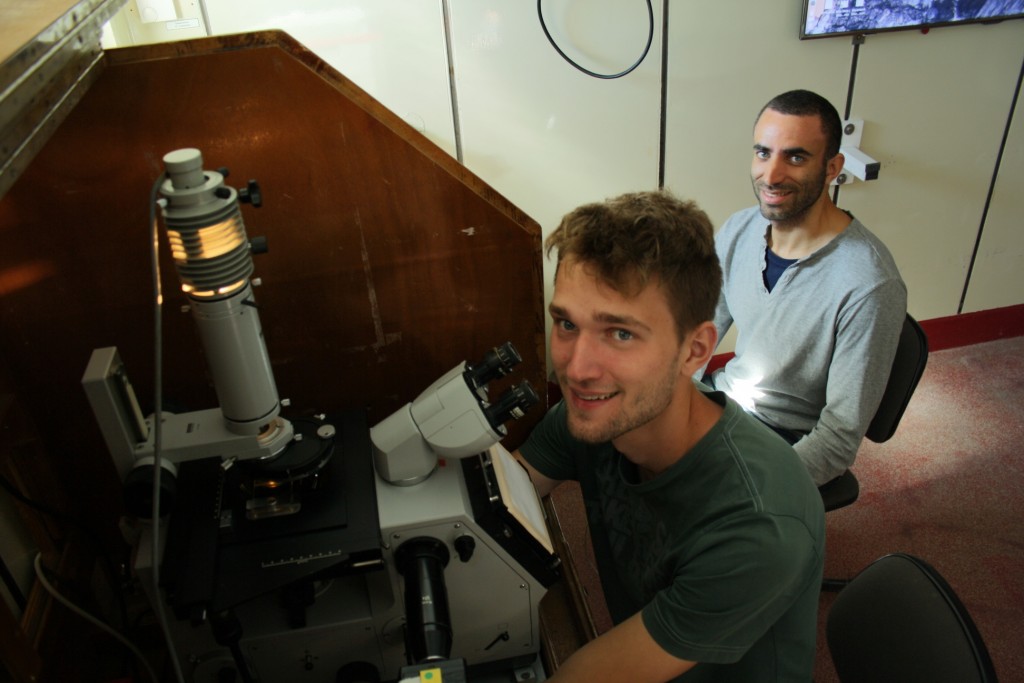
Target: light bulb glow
207, 293
206, 243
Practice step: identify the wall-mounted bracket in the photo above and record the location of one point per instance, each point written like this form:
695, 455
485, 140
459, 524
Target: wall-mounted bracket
857, 165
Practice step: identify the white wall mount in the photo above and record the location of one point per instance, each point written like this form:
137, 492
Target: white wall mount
857, 165
151, 11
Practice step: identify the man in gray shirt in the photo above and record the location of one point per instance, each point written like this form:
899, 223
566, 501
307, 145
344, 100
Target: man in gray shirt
816, 297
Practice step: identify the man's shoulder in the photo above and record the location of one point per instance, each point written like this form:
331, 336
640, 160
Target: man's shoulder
748, 438
769, 463
755, 440
859, 248
551, 439
551, 426
741, 228
742, 220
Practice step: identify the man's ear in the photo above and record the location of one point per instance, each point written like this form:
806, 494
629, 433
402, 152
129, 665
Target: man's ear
700, 345
833, 167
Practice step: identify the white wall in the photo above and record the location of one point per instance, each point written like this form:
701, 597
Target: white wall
938, 104
541, 132
549, 137
394, 49
996, 279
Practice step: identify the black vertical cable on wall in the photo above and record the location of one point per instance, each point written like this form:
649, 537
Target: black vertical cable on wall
858, 40
991, 188
663, 132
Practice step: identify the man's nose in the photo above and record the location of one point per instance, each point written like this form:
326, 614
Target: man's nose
773, 172
581, 359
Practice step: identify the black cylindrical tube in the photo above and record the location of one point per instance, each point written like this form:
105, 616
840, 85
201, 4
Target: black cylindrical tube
428, 626
498, 362
512, 404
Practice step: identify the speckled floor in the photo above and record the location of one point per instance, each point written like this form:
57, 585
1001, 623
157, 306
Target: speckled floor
949, 488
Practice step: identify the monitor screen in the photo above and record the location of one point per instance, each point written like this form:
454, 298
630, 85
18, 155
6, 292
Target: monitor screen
822, 18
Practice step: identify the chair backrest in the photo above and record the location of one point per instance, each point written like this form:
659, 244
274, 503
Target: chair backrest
899, 620
907, 368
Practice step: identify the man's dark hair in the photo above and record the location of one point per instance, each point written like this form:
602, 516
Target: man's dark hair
640, 237
807, 103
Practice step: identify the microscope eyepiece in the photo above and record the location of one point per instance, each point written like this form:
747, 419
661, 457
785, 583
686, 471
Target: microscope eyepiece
512, 404
498, 362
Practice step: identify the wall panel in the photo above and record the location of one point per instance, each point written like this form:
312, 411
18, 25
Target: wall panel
549, 137
998, 276
546, 135
935, 107
393, 49
725, 62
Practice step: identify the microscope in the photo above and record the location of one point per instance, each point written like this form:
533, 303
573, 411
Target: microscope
315, 547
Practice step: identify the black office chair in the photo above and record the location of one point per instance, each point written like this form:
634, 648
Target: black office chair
900, 621
907, 368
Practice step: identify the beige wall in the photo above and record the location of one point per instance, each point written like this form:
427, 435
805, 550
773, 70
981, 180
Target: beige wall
940, 104
549, 137
935, 106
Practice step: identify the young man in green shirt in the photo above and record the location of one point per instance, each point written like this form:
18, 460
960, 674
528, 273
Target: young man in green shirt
708, 531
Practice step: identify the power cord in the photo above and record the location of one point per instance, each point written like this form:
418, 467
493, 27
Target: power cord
643, 55
71, 522
44, 582
158, 300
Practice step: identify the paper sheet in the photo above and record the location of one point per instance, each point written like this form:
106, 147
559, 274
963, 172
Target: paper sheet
518, 494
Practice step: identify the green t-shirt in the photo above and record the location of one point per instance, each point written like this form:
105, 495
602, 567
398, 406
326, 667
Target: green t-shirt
722, 552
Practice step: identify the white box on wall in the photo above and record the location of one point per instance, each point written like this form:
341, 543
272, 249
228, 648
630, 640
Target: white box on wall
156, 10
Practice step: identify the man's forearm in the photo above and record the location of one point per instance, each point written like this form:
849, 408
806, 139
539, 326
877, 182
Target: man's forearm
625, 653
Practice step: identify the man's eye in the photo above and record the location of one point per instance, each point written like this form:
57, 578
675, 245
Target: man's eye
565, 325
623, 335
796, 159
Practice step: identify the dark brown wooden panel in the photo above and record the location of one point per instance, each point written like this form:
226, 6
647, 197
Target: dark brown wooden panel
389, 262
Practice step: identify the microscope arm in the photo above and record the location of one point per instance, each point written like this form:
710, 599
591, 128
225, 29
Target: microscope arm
451, 418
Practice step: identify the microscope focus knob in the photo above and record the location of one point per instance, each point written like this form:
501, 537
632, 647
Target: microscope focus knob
251, 194
138, 490
259, 245
464, 546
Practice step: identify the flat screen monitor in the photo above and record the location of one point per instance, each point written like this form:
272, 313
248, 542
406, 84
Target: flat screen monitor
823, 18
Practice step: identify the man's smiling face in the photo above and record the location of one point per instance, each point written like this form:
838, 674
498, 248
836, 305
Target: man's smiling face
617, 358
789, 170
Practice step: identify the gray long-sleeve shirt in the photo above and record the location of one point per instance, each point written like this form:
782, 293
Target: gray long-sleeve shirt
813, 355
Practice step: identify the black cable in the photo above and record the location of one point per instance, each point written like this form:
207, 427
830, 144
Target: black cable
72, 522
44, 581
663, 130
68, 521
991, 188
12, 586
11, 489
858, 40
643, 55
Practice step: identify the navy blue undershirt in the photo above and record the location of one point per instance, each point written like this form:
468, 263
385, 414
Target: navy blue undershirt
775, 267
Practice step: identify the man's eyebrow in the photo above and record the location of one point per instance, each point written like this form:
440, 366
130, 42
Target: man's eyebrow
607, 318
786, 152
622, 320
